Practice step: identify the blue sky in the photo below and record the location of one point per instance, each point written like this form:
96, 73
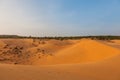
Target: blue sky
60, 17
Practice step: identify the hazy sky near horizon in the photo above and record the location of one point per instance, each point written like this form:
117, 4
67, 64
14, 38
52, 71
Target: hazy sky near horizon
60, 17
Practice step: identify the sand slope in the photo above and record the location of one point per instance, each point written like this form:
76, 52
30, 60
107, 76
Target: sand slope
112, 43
27, 51
47, 52
106, 70
84, 51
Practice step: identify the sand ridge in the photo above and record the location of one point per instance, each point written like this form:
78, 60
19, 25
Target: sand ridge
84, 51
27, 51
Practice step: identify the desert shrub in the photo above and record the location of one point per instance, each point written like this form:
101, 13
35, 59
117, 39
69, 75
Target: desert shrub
106, 37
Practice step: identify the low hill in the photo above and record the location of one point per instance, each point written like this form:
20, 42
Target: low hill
84, 51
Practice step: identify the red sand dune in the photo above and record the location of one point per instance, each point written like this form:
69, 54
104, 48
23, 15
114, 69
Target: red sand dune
82, 52
75, 60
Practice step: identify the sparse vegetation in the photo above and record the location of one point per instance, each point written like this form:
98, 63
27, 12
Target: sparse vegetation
22, 51
107, 37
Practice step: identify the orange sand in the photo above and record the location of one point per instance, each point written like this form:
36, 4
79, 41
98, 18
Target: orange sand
69, 60
83, 52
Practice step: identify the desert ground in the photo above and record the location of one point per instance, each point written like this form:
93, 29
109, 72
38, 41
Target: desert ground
43, 59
